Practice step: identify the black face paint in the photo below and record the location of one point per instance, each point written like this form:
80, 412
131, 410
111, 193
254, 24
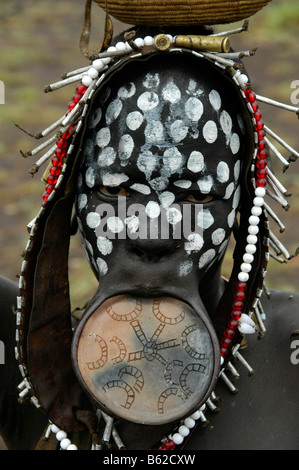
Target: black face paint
162, 150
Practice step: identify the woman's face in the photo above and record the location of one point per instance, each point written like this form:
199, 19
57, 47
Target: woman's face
159, 186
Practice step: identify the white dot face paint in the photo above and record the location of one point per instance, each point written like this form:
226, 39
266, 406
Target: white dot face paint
81, 202
185, 268
152, 80
132, 223
206, 258
125, 147
90, 177
226, 122
152, 209
104, 245
218, 236
215, 99
205, 219
141, 188
173, 216
93, 219
106, 157
171, 92
102, 266
154, 133
113, 111
194, 109
210, 132
178, 131
205, 184
103, 137
147, 101
194, 243
115, 224
196, 162
134, 120
231, 218
114, 179
223, 172
126, 92
184, 184
235, 143
167, 198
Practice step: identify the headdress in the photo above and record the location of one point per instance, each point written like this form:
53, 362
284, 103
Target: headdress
44, 319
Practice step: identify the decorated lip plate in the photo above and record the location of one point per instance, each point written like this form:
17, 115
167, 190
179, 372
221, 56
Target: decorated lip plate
149, 361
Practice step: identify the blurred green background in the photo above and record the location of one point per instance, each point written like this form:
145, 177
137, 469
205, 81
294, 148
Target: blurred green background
40, 41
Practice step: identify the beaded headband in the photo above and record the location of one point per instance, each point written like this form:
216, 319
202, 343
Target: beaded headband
59, 147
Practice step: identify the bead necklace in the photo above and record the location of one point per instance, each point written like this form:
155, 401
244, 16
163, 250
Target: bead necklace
89, 79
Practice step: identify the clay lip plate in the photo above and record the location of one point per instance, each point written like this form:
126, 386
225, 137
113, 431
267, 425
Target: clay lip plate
149, 361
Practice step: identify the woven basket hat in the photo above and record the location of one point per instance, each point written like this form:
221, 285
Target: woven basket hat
181, 12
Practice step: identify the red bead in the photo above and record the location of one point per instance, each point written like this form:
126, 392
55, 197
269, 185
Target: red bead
49, 188
251, 96
61, 144
240, 295
45, 196
259, 125
261, 144
77, 97
261, 182
233, 324
168, 445
81, 89
229, 333
254, 106
262, 154
223, 352
262, 163
55, 170
66, 135
57, 161
226, 343
60, 153
51, 179
237, 305
71, 105
236, 314
261, 134
241, 285
257, 115
262, 173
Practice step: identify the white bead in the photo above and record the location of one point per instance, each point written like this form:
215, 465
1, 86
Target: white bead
260, 192
65, 443
54, 428
203, 407
128, 47
72, 447
253, 220
248, 258
106, 60
177, 438
120, 46
148, 41
92, 72
255, 210
139, 42
87, 80
246, 329
250, 248
253, 229
246, 319
243, 79
61, 435
243, 277
111, 49
258, 201
189, 422
170, 37
195, 415
184, 431
252, 239
98, 64
245, 267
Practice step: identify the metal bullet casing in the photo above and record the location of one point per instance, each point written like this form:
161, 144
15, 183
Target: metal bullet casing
203, 43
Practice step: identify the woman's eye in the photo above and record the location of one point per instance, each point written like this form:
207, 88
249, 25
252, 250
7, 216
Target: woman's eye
113, 191
200, 198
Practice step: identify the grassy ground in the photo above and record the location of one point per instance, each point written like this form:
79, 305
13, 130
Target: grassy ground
39, 42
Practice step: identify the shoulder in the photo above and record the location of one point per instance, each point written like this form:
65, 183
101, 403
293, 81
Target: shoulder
264, 414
